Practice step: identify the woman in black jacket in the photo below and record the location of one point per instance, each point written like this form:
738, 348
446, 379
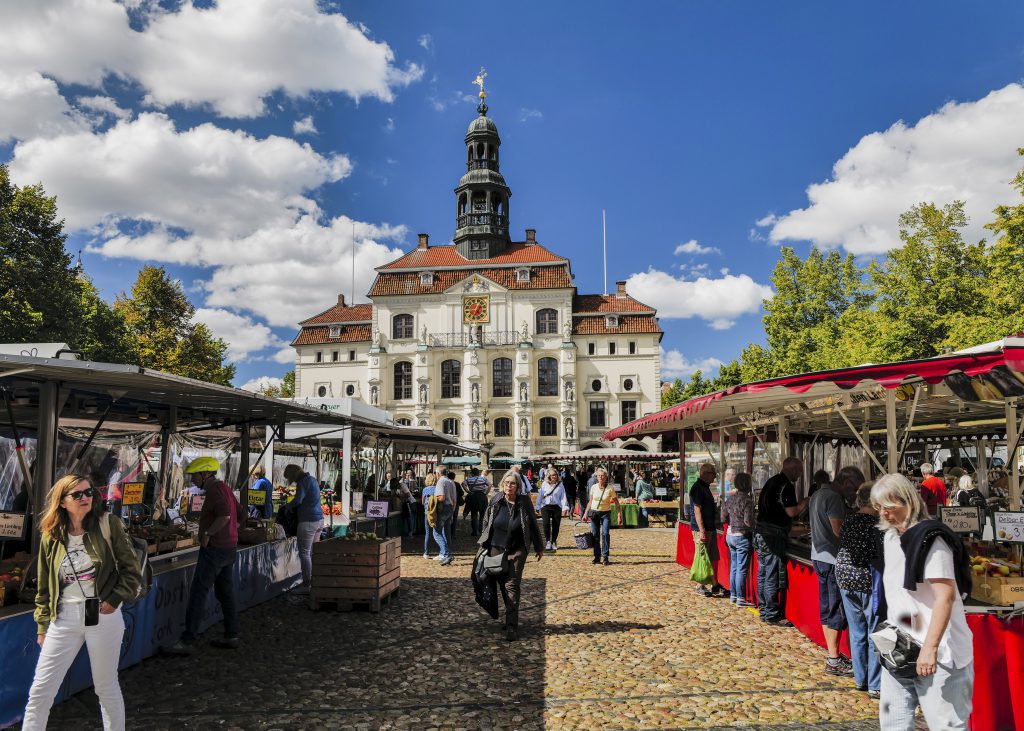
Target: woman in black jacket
510, 526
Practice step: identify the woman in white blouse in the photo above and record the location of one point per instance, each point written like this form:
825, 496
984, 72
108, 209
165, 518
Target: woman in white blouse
553, 507
922, 562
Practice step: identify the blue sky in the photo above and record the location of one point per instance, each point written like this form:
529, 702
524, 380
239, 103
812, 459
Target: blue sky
237, 142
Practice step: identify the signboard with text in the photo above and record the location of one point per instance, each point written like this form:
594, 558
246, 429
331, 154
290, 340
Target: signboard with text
257, 497
661, 491
12, 526
961, 519
195, 503
1009, 526
132, 493
377, 509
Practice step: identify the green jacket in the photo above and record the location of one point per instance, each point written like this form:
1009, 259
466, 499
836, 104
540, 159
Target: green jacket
117, 577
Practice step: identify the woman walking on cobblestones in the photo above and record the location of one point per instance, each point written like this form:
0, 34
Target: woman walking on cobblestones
552, 504
738, 514
599, 508
510, 527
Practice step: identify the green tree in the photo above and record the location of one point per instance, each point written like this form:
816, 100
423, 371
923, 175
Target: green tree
102, 333
288, 384
698, 385
729, 375
673, 395
1005, 286
159, 316
39, 291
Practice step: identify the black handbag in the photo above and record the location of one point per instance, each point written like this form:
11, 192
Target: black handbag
897, 650
496, 566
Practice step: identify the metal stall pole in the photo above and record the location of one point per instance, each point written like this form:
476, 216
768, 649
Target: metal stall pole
166, 435
892, 461
749, 462
682, 476
346, 472
46, 454
243, 468
1012, 442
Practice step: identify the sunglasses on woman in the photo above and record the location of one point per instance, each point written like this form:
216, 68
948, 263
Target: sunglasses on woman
77, 495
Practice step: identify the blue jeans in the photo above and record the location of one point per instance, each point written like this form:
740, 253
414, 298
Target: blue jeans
442, 534
861, 620
427, 533
771, 575
600, 527
214, 568
739, 559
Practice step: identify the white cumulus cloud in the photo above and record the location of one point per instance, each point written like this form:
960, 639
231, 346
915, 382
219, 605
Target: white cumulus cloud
675, 365
693, 247
964, 151
261, 383
525, 115
229, 55
243, 336
32, 106
717, 301
304, 126
104, 105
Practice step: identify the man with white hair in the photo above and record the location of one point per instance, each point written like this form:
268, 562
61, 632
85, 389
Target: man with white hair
933, 489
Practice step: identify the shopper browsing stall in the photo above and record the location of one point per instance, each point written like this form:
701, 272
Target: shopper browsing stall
599, 510
704, 524
776, 508
553, 506
310, 514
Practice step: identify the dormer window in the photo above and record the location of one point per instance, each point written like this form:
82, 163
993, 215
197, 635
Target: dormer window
426, 279
611, 321
522, 275
335, 332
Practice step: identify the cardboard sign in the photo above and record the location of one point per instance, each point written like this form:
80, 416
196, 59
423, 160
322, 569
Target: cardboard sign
12, 526
132, 494
257, 497
661, 491
377, 509
195, 503
618, 487
1009, 526
961, 519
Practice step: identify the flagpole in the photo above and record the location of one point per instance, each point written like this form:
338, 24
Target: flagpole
352, 301
604, 245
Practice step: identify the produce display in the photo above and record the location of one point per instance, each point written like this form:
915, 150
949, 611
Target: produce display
12, 573
360, 537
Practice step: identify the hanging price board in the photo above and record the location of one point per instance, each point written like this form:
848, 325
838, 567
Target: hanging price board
132, 493
12, 526
257, 497
195, 503
1009, 526
661, 491
377, 509
961, 519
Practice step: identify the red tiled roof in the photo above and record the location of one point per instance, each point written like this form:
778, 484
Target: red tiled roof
449, 256
628, 324
320, 335
595, 303
341, 313
546, 277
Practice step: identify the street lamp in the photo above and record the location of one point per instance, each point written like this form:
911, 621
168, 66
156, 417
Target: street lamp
485, 445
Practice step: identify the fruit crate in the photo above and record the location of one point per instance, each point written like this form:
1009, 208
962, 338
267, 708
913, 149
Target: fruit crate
348, 572
998, 590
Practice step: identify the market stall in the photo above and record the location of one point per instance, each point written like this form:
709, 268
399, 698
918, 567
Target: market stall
890, 418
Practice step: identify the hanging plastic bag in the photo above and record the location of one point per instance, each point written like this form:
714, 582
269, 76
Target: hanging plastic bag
701, 571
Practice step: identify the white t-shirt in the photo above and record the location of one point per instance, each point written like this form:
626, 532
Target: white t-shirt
912, 610
72, 591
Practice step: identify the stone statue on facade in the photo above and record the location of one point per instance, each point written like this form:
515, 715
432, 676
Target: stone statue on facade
376, 338
474, 391
524, 429
524, 392
567, 329
423, 335
568, 428
525, 332
570, 392
373, 395
476, 429
423, 393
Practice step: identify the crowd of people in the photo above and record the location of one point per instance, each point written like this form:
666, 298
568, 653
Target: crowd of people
881, 560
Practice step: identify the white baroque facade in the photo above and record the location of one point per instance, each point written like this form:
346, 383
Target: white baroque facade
487, 338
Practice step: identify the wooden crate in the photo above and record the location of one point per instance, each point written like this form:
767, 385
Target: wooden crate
998, 590
350, 573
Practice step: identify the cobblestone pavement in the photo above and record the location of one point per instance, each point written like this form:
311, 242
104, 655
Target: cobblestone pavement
625, 646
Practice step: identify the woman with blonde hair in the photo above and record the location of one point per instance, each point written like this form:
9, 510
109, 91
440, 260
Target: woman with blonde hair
86, 571
599, 508
926, 571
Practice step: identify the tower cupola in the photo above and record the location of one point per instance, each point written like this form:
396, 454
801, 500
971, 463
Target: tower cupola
481, 197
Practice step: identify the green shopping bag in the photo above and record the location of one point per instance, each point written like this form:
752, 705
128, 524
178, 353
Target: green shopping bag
701, 571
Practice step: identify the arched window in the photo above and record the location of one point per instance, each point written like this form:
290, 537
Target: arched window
450, 427
547, 321
403, 380
548, 426
547, 377
402, 421
401, 326
503, 427
501, 378
451, 387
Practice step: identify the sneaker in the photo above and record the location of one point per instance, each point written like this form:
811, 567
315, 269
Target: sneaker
836, 667
448, 560
596, 560
426, 555
847, 662
783, 622
719, 591
743, 603
554, 548
511, 634
182, 649
606, 561
439, 557
704, 592
226, 643
875, 695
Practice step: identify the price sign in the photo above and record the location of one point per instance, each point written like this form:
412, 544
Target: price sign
961, 519
195, 503
1009, 526
132, 494
257, 497
661, 491
377, 509
618, 487
12, 525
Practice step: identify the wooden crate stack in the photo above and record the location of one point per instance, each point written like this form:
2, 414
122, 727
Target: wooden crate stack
347, 573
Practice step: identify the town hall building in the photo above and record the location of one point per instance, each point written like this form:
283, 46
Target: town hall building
487, 338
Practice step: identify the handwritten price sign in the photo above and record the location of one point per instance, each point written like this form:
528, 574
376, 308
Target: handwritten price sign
961, 519
1009, 526
661, 491
195, 503
132, 494
377, 509
257, 497
12, 525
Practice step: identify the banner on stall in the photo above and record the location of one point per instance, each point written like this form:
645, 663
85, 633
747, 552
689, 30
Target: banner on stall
132, 493
12, 526
961, 519
377, 509
1009, 526
257, 497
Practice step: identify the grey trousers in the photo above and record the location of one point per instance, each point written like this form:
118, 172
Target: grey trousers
945, 699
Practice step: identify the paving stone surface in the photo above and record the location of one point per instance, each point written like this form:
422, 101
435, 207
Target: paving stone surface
625, 646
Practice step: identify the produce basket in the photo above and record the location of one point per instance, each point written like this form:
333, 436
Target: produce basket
583, 540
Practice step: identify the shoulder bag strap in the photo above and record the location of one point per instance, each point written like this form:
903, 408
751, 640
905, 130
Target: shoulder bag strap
67, 552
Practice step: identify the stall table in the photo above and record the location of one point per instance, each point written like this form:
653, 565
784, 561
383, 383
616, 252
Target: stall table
998, 643
661, 512
630, 515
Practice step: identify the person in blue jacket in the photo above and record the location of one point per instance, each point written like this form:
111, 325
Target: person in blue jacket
310, 513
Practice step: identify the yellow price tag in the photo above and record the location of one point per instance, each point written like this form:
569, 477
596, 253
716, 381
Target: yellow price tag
132, 493
257, 497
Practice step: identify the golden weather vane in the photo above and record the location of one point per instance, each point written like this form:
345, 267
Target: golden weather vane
479, 81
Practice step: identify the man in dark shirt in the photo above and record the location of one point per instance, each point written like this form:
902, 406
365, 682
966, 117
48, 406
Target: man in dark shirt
776, 507
704, 525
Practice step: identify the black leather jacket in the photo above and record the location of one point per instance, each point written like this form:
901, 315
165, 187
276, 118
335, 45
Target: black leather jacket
531, 531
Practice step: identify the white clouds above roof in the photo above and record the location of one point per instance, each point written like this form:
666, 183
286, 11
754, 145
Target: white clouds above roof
964, 151
243, 336
693, 247
32, 106
675, 365
719, 301
260, 383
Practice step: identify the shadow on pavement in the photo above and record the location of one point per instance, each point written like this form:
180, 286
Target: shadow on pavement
583, 628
